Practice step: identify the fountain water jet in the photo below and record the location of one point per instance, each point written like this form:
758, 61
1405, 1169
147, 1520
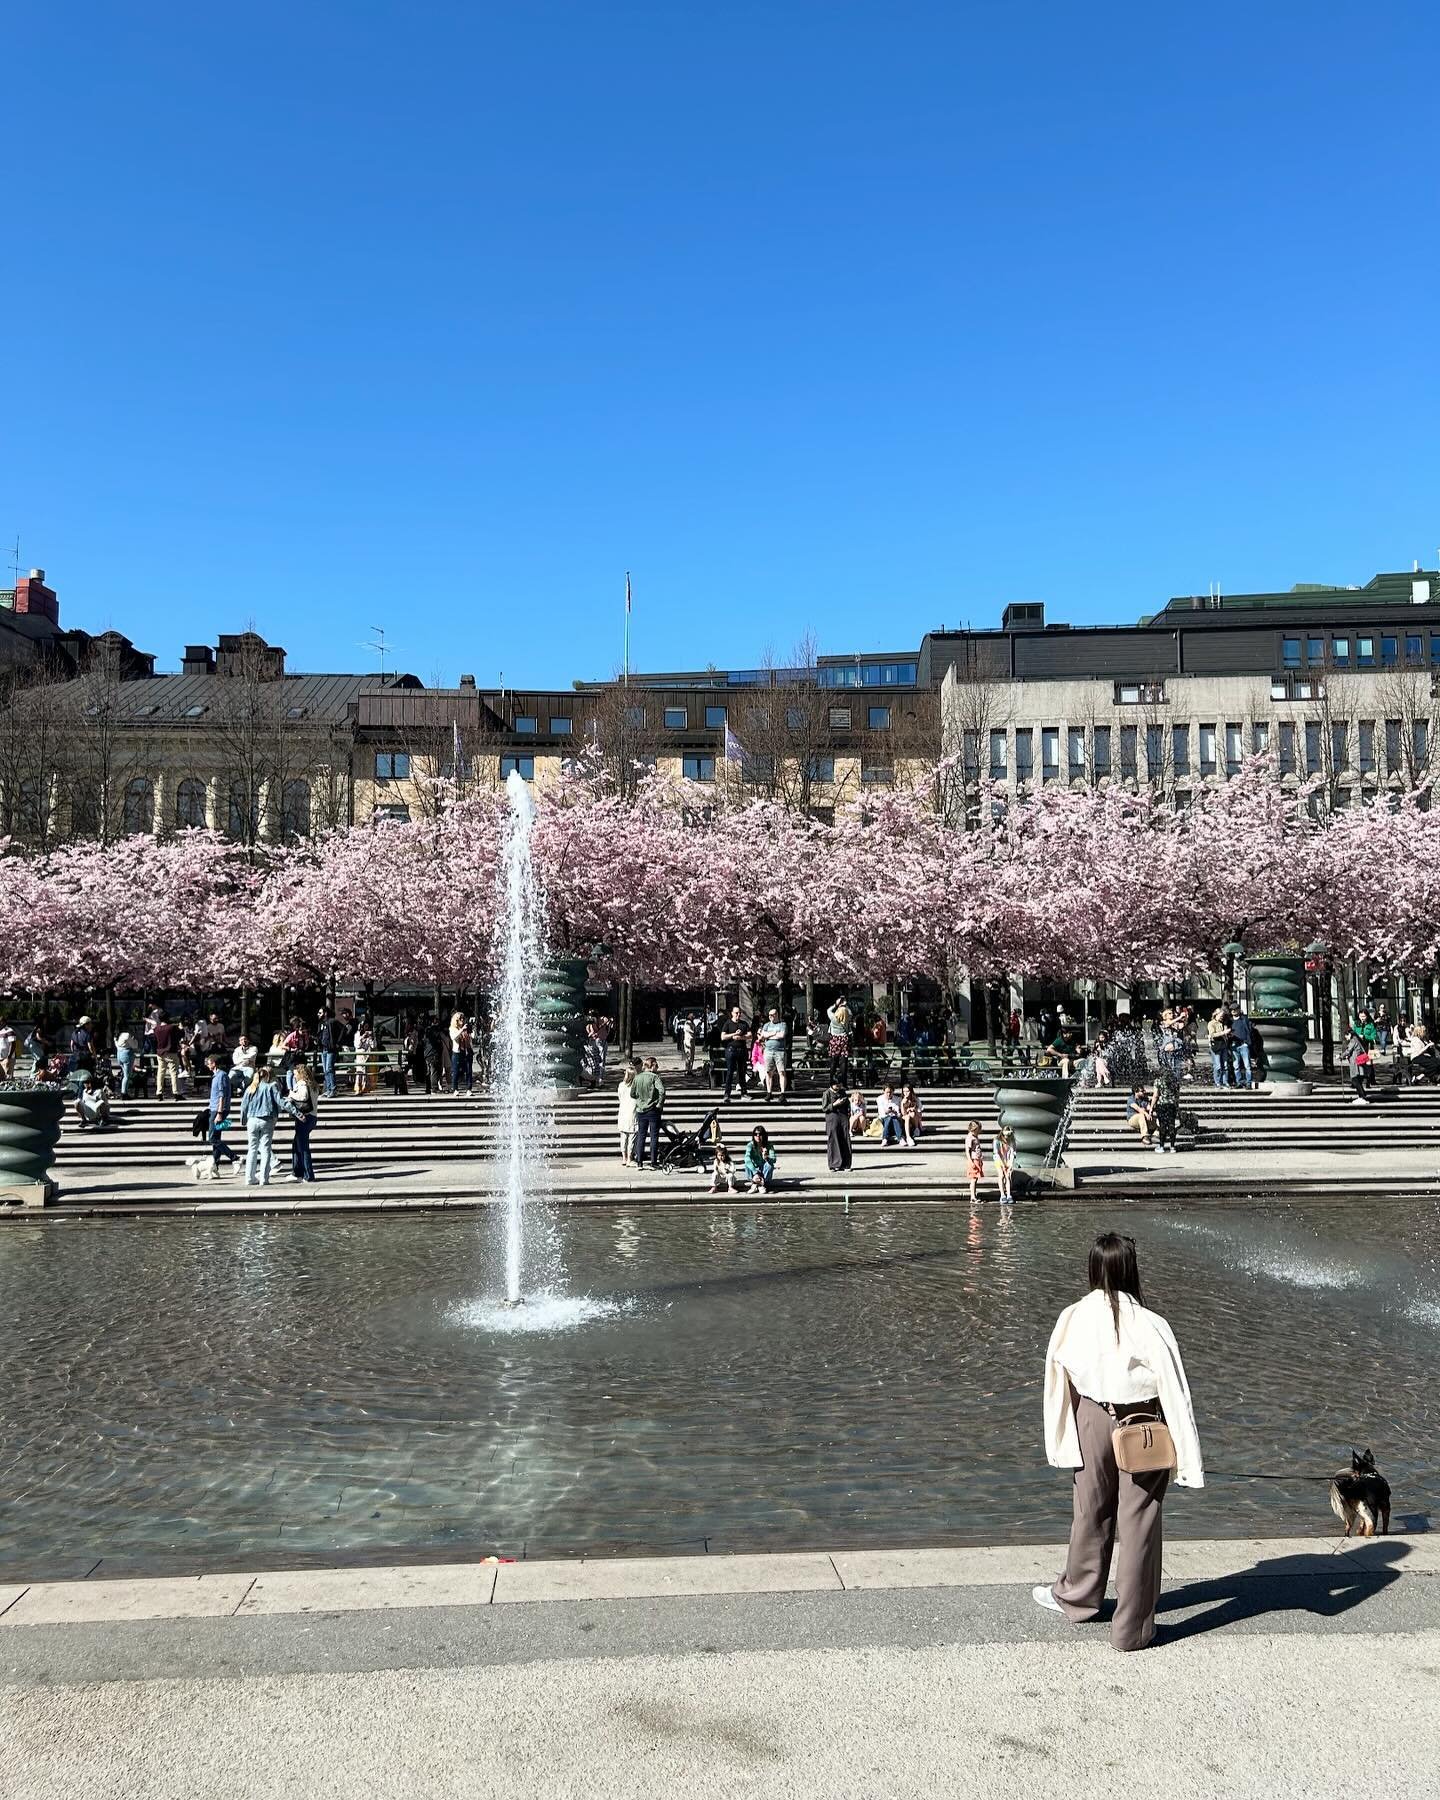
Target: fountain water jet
515, 1037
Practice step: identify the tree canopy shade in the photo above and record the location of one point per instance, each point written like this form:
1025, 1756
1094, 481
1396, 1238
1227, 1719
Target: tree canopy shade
669, 887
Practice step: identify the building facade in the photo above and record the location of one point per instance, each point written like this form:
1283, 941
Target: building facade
1338, 685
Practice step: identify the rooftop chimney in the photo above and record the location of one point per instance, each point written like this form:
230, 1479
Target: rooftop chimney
467, 681
199, 659
32, 596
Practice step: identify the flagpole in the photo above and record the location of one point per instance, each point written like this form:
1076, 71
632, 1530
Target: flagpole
626, 664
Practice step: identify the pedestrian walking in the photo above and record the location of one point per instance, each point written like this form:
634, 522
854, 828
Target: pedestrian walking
328, 1033
217, 1119
364, 1055
433, 1040
258, 1112
689, 1037
167, 1057
460, 1066
1240, 1048
1167, 1114
974, 1159
125, 1049
838, 1152
1111, 1360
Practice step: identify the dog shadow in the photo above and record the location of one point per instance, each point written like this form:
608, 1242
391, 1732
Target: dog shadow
1322, 1585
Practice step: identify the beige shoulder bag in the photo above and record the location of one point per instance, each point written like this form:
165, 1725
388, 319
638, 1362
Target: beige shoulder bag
1143, 1446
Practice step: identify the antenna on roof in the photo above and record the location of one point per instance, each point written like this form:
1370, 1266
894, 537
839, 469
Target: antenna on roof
15, 563
378, 646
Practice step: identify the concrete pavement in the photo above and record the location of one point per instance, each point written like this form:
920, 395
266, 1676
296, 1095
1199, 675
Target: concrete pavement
1290, 1667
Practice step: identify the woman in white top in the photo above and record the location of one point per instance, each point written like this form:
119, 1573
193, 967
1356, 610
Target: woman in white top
1108, 1358
625, 1117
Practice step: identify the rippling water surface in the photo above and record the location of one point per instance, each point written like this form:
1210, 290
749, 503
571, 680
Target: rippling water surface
751, 1379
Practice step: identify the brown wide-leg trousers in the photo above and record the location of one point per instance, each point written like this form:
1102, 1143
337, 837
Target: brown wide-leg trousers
1106, 1501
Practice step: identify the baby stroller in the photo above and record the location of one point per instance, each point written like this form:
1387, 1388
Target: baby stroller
689, 1149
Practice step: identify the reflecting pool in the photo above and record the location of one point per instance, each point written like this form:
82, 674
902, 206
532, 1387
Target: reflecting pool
177, 1392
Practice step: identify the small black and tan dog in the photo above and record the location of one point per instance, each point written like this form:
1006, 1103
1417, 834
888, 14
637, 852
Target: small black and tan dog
1360, 1496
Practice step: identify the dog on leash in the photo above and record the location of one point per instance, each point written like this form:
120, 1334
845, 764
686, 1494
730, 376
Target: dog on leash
1360, 1496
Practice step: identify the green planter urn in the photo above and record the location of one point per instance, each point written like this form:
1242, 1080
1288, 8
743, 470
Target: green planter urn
30, 1117
560, 1022
1276, 988
1033, 1107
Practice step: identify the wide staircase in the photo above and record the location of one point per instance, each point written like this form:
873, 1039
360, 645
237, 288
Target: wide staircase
412, 1149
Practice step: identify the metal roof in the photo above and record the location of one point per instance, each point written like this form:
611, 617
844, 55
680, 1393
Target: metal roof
168, 699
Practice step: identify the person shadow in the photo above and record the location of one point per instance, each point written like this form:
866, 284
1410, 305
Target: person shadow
1323, 1584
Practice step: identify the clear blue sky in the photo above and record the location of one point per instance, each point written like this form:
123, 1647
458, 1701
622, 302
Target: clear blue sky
855, 317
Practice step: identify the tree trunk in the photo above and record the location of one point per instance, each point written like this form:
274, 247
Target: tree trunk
787, 1010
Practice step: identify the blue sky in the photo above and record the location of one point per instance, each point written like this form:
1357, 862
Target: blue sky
846, 317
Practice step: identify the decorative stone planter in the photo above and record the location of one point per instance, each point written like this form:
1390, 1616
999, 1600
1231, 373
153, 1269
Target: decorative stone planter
29, 1131
560, 1022
1033, 1106
1276, 986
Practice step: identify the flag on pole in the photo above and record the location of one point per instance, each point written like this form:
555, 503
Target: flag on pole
734, 749
627, 590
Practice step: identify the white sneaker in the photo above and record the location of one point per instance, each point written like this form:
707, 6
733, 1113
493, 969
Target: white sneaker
1044, 1596
1159, 1149
1170, 1149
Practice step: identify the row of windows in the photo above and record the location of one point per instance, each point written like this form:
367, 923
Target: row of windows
840, 718
1168, 750
1342, 651
191, 809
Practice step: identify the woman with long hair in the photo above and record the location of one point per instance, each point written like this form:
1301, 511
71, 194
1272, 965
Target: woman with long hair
301, 1106
1110, 1360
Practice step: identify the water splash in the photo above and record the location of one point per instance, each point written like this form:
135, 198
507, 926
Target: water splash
516, 1059
541, 1312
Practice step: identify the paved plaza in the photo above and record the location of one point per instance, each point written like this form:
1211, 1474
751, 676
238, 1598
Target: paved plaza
875, 1672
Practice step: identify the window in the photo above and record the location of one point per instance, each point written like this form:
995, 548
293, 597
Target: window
1340, 652
999, 757
1367, 746
1075, 751
85, 810
794, 718
1303, 688
139, 806
1290, 652
392, 765
759, 768
876, 773
715, 718
879, 718
1050, 753
1420, 740
1102, 750
1234, 748
1312, 747
1365, 652
28, 811
190, 804
677, 718
1207, 750
1340, 743
1435, 647
1154, 751
295, 712
1315, 651
561, 727
698, 768
295, 811
839, 718
1129, 735
1024, 754
193, 712
1389, 651
527, 723
396, 811
1287, 748
635, 717
1414, 647
1279, 687
523, 766
970, 755
1394, 762
1260, 738
1139, 693
821, 768
1180, 748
